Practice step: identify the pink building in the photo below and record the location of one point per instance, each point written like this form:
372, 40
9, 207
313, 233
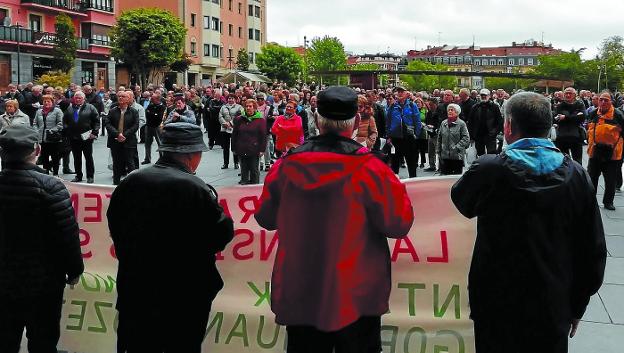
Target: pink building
35, 20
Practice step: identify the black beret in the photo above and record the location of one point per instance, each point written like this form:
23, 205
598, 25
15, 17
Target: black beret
18, 137
337, 103
182, 138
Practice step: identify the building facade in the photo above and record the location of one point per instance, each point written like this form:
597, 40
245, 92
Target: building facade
27, 38
516, 58
385, 61
216, 31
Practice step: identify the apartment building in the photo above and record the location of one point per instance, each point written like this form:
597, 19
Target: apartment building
27, 37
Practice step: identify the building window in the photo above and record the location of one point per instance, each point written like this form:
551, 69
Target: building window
240, 32
453, 61
477, 62
530, 61
215, 51
215, 24
258, 11
230, 5
250, 11
4, 14
501, 62
460, 60
240, 8
251, 34
206, 49
492, 62
511, 62
257, 34
216, 1
193, 17
193, 48
220, 26
35, 23
445, 60
521, 61
206, 22
251, 58
467, 60
230, 30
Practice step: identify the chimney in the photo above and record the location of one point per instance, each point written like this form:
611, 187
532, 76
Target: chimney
428, 46
513, 44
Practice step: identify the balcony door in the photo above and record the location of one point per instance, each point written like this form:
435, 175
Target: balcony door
5, 71
35, 23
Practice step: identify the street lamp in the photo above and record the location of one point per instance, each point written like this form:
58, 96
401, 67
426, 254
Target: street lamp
17, 27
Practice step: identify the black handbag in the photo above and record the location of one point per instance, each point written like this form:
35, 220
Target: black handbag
53, 136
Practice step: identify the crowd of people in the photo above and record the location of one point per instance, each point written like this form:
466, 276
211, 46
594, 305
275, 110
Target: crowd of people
256, 124
333, 195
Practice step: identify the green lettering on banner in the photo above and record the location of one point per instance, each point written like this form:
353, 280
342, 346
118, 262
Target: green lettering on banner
262, 296
452, 295
87, 286
80, 317
411, 295
391, 342
109, 283
460, 341
423, 339
98, 312
241, 321
260, 331
217, 320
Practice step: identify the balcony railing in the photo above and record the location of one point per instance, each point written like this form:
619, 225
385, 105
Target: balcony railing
24, 35
75, 5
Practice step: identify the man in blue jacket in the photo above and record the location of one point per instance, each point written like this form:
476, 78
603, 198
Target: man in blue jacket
540, 249
402, 126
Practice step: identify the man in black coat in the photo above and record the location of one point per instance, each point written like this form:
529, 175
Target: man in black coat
32, 102
81, 123
14, 94
40, 246
93, 98
154, 114
569, 116
485, 122
174, 317
122, 124
540, 250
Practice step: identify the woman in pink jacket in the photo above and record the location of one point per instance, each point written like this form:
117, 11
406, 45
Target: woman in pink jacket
288, 129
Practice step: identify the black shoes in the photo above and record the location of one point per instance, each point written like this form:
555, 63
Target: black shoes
90, 180
68, 171
235, 165
609, 206
430, 169
145, 162
76, 180
225, 166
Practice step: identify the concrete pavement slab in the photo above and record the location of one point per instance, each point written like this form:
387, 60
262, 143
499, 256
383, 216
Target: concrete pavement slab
615, 245
612, 295
596, 311
597, 338
614, 274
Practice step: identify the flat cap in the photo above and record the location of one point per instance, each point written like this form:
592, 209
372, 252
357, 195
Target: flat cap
337, 103
18, 137
484, 91
182, 138
399, 88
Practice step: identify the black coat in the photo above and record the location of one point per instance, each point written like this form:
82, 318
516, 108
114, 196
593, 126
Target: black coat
131, 126
95, 100
466, 108
39, 241
154, 114
166, 223
540, 249
88, 119
485, 121
568, 129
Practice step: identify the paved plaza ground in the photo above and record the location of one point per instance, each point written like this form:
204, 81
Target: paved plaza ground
602, 329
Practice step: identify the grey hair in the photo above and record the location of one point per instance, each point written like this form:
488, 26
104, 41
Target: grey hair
529, 113
80, 93
334, 126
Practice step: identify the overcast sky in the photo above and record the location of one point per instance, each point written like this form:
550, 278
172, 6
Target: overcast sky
368, 26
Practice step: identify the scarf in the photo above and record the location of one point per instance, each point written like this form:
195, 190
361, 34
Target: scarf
255, 116
45, 110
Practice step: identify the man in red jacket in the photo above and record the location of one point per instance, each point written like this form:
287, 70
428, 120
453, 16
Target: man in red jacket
333, 204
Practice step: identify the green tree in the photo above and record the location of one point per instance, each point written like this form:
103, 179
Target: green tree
147, 39
64, 51
279, 63
242, 59
427, 82
564, 66
611, 58
326, 54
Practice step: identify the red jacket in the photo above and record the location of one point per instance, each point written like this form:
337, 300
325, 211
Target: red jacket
333, 207
287, 132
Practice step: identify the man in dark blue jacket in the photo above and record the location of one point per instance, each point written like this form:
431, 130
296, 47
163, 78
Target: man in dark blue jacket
402, 126
540, 250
